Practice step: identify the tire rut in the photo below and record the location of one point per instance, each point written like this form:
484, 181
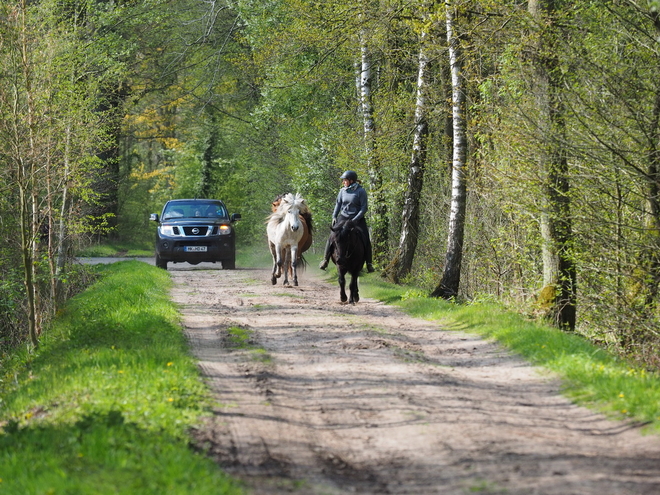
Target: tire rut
329, 398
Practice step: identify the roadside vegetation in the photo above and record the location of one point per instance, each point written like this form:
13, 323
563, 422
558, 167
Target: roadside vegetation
118, 249
104, 405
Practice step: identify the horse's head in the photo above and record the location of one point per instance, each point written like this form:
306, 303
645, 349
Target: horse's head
343, 227
290, 208
344, 239
276, 202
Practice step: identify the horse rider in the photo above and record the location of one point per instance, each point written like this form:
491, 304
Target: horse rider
351, 205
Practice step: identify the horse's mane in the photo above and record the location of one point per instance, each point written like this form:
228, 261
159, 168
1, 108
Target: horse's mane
342, 229
284, 202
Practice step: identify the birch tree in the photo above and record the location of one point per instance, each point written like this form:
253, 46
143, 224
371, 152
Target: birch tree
379, 224
402, 261
451, 277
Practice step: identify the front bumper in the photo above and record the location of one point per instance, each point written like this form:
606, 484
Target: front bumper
174, 249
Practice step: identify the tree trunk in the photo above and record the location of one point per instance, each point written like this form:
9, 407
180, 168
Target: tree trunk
26, 179
62, 231
401, 264
378, 209
651, 254
559, 271
450, 282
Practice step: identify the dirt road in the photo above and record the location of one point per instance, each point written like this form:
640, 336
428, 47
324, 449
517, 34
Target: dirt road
329, 399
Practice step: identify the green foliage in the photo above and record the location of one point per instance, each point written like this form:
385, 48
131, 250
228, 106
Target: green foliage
263, 101
105, 403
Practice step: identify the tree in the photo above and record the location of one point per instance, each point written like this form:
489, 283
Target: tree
49, 127
379, 208
402, 261
615, 110
556, 224
450, 282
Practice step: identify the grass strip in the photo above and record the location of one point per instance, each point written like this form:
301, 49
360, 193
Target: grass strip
105, 404
112, 250
591, 376
243, 338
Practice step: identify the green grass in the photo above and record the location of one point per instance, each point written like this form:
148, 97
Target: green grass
243, 338
591, 375
104, 406
118, 249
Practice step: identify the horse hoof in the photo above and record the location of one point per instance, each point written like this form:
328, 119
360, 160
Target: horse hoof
273, 280
343, 299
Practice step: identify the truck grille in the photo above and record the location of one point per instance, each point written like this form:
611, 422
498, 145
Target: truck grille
197, 230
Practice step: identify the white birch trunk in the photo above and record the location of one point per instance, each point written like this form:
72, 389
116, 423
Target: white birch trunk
378, 207
402, 263
450, 282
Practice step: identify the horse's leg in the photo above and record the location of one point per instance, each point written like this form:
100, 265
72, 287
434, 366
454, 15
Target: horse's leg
285, 265
277, 263
294, 263
342, 284
281, 253
355, 295
273, 251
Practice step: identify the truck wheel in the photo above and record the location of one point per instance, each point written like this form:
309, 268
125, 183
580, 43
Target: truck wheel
161, 263
229, 264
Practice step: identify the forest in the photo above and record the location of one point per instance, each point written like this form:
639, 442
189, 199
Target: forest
510, 149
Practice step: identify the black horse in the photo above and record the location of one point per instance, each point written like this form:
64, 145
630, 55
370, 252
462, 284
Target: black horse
348, 254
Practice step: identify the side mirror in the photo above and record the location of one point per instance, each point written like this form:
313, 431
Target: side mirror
235, 216
153, 217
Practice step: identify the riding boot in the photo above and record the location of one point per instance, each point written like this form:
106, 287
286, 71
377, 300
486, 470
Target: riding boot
326, 255
368, 254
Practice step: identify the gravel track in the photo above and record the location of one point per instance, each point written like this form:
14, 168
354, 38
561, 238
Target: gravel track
331, 398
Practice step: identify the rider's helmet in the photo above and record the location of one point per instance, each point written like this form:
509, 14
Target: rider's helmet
350, 175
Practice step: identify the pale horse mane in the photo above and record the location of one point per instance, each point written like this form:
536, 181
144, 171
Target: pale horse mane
289, 201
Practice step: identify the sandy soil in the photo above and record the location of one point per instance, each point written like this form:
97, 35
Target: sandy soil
364, 399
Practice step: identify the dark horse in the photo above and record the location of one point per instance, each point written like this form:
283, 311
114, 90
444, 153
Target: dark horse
348, 254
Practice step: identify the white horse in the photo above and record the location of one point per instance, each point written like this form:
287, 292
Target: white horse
285, 230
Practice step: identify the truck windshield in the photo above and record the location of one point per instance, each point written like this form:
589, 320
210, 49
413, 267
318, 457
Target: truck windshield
195, 209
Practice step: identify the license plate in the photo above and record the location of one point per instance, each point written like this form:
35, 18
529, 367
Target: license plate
195, 249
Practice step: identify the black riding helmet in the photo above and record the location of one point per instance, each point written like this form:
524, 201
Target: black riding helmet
350, 175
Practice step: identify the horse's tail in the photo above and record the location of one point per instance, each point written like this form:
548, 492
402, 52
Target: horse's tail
302, 262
